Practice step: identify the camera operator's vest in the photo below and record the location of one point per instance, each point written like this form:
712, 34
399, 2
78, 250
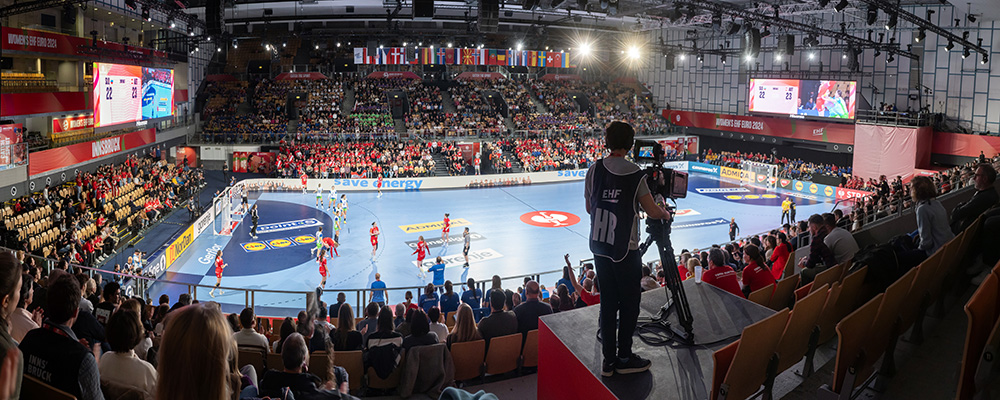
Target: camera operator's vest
614, 209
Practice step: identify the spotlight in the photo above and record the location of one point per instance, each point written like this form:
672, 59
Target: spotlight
585, 49
893, 19
841, 6
338, 44
449, 45
766, 32
748, 58
717, 20
972, 18
520, 46
171, 23
209, 38
872, 15
218, 49
965, 53
951, 45
921, 35
633, 53
824, 3
235, 44
130, 4
701, 58
985, 59
843, 56
890, 59
877, 53
965, 35
682, 56
723, 58
812, 55
190, 30
777, 57
733, 28
145, 15
317, 47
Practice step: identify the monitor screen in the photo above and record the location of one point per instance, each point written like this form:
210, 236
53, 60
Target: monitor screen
129, 93
804, 98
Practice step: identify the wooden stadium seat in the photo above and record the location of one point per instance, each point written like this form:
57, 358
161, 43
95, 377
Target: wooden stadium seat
762, 296
801, 336
33, 388
884, 329
986, 366
449, 319
848, 300
743, 366
982, 311
274, 362
529, 353
828, 318
789, 267
256, 356
803, 291
503, 354
392, 382
468, 358
353, 362
829, 277
319, 365
852, 332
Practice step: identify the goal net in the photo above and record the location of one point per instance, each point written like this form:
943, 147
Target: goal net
225, 205
758, 174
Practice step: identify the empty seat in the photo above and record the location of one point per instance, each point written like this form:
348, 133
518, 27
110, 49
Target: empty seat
503, 354
529, 353
742, 367
829, 277
33, 388
852, 332
982, 312
468, 358
801, 335
256, 356
353, 362
762, 296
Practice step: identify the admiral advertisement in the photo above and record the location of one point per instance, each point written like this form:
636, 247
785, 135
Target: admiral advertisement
736, 174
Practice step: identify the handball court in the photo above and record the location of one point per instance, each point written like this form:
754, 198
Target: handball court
515, 231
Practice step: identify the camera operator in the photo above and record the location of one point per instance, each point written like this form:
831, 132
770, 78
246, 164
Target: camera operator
613, 190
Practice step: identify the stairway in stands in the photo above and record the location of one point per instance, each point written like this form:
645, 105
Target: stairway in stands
440, 165
447, 102
347, 106
539, 105
293, 127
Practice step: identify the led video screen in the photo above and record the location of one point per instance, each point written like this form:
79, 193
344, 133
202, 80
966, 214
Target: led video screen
804, 98
129, 93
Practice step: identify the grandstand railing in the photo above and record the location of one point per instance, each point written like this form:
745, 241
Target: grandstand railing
898, 118
139, 285
13, 155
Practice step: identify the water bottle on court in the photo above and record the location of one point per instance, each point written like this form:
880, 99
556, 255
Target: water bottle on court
697, 274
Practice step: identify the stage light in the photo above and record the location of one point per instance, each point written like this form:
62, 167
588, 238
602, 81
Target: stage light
812, 55
209, 38
723, 58
520, 46
843, 56
877, 53
972, 18
965, 35
130, 4
317, 47
449, 45
218, 49
733, 28
145, 15
701, 58
841, 6
777, 57
824, 3
951, 45
766, 32
404, 44
891, 24
235, 44
171, 23
717, 20
748, 58
633, 53
890, 59
921, 35
682, 56
872, 15
985, 59
965, 53
190, 31
585, 49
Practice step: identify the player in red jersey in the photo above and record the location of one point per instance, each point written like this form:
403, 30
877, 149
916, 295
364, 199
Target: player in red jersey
378, 185
446, 230
421, 251
332, 244
304, 178
322, 268
219, 266
374, 232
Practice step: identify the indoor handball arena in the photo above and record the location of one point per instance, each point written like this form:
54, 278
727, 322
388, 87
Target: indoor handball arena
486, 199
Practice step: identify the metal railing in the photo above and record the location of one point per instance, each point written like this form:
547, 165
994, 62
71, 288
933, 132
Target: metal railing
898, 118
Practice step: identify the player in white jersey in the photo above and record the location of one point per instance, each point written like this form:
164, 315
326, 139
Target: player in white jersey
343, 206
319, 195
332, 197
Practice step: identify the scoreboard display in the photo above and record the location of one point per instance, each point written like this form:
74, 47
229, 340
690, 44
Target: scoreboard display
803, 98
129, 93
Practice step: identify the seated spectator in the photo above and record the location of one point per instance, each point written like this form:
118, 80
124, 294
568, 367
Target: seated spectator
287, 328
429, 299
449, 299
335, 308
408, 300
567, 299
399, 316
247, 336
437, 326
384, 331
404, 328
121, 365
839, 240
21, 321
755, 274
420, 331
648, 282
53, 353
472, 295
527, 313
368, 325
820, 256
465, 329
185, 369
345, 338
303, 385
10, 296
499, 322
383, 347
721, 275
985, 197
780, 251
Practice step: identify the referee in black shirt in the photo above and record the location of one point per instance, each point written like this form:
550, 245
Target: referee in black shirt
253, 220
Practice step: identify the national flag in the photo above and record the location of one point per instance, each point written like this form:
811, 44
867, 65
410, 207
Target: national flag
396, 55
501, 57
359, 55
415, 57
525, 60
491, 57
565, 60
467, 57
449, 56
532, 59
484, 58
440, 56
542, 58
555, 60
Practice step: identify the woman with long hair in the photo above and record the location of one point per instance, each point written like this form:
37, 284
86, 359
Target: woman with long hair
465, 329
345, 338
197, 356
782, 250
287, 328
755, 273
567, 302
10, 358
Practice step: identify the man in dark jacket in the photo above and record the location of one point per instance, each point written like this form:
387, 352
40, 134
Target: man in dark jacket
499, 322
820, 256
302, 384
528, 311
985, 197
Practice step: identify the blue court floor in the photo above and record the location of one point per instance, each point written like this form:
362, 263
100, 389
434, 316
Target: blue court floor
515, 230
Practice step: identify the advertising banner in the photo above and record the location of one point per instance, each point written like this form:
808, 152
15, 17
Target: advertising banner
388, 75
288, 76
844, 194
704, 168
817, 131
67, 124
471, 76
15, 39
736, 174
178, 246
958, 144
14, 104
203, 222
11, 133
61, 157
253, 161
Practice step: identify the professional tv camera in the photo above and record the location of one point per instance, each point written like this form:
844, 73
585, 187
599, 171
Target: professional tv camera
665, 183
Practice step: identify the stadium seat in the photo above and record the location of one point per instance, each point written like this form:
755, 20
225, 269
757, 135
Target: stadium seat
743, 366
801, 292
830, 276
529, 353
468, 358
256, 356
847, 300
274, 361
32, 388
852, 332
449, 320
353, 362
392, 382
319, 365
883, 332
503, 354
762, 296
982, 332
801, 335
114, 391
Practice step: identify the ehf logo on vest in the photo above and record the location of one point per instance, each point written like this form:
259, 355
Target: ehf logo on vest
550, 219
106, 146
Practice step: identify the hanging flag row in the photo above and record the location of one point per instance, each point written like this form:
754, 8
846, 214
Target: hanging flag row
462, 56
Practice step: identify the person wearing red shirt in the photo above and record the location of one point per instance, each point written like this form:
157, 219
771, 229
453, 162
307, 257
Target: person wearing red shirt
378, 185
584, 290
779, 256
322, 268
421, 252
756, 276
219, 266
304, 178
374, 233
332, 244
446, 230
721, 275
